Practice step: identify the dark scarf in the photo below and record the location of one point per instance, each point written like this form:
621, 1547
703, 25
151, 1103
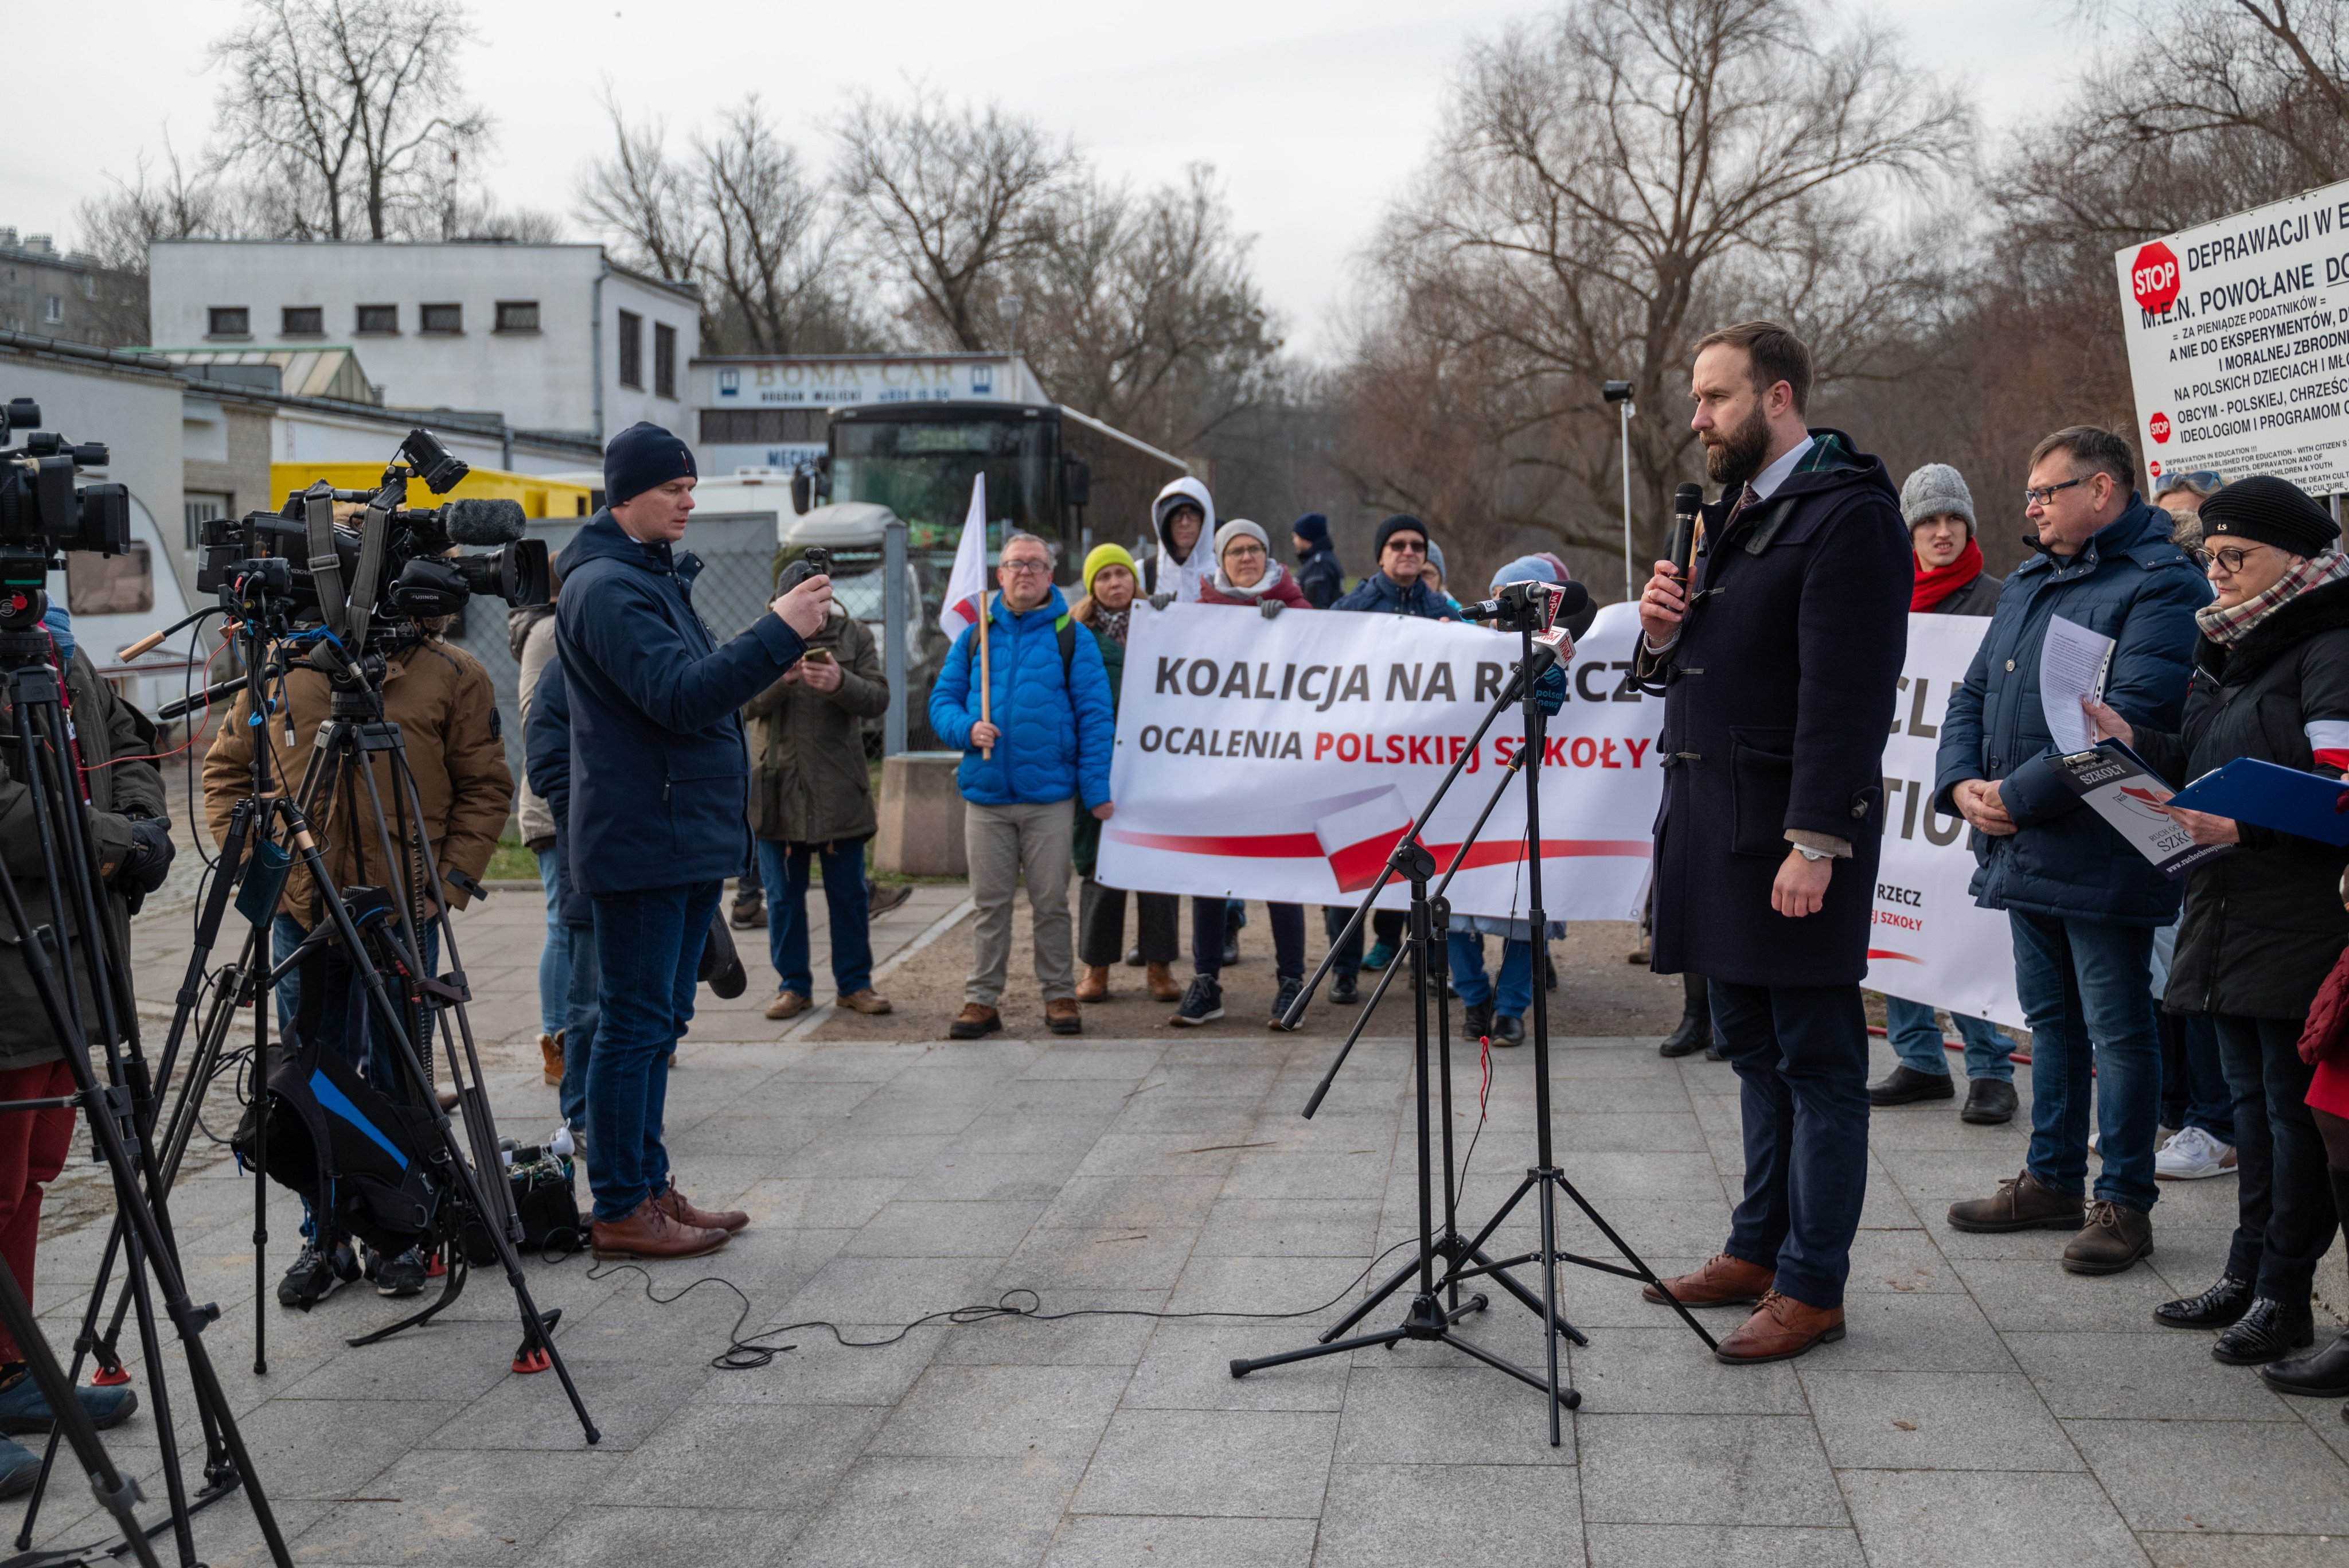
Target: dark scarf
1112, 624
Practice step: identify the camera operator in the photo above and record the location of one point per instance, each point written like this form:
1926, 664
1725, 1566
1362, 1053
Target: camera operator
114, 744
659, 796
440, 698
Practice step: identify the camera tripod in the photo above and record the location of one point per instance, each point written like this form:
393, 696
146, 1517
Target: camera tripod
378, 930
89, 961
1445, 1257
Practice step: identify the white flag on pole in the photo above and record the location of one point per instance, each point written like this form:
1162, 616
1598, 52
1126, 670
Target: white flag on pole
966, 589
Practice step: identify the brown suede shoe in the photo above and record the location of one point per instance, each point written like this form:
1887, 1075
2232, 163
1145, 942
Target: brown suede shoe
1093, 984
1780, 1329
2020, 1204
550, 1055
650, 1232
681, 1210
2115, 1237
1164, 986
1061, 1017
788, 1004
869, 1001
974, 1021
1722, 1281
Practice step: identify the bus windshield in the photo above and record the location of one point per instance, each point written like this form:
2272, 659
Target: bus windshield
922, 471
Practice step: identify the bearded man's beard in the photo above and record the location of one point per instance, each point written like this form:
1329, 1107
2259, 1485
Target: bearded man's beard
1738, 458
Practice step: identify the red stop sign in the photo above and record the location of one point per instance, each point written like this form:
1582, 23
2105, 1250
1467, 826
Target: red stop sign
2159, 427
2153, 276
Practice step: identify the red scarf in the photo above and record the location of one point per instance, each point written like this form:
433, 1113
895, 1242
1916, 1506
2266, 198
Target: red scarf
1933, 586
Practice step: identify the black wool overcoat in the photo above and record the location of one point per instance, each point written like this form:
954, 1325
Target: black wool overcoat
1777, 698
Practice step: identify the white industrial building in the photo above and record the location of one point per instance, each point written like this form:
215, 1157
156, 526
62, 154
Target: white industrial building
767, 411
550, 338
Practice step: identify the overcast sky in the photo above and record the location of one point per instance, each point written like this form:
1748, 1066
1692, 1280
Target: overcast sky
1314, 111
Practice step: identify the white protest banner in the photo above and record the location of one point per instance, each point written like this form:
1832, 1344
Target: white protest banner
1282, 759
2238, 336
1929, 941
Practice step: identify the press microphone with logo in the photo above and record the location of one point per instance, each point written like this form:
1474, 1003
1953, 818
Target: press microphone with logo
1686, 499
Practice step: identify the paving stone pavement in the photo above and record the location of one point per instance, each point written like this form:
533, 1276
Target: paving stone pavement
1986, 1408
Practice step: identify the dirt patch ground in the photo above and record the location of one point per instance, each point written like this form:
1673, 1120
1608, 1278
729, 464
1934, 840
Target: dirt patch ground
1599, 992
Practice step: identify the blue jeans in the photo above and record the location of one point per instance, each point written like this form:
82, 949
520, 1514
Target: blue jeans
555, 957
1466, 951
647, 947
2086, 987
579, 1015
783, 867
1801, 1056
1916, 1038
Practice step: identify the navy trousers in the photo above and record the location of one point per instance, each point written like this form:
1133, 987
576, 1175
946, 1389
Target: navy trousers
1801, 1055
648, 950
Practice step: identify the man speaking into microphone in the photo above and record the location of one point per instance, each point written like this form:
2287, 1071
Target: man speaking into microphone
1778, 657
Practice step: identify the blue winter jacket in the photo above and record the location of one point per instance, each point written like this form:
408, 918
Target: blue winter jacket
660, 779
1057, 734
546, 751
1381, 595
2131, 583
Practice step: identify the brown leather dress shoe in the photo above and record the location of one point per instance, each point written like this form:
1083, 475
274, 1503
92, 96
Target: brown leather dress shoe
1061, 1017
869, 1001
1780, 1329
2019, 1204
788, 1004
1164, 986
1722, 1281
681, 1210
975, 1020
650, 1232
550, 1055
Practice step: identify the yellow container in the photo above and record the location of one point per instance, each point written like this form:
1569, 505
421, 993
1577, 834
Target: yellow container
539, 497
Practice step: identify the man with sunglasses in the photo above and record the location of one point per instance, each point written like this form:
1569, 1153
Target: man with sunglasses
2082, 904
1397, 587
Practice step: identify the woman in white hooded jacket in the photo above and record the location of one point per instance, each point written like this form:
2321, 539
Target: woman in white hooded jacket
1182, 519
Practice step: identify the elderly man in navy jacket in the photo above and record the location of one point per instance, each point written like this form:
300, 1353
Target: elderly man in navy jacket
1779, 662
659, 789
2082, 902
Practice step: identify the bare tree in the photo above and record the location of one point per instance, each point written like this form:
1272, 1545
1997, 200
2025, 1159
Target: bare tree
340, 108
947, 200
177, 203
1615, 179
644, 199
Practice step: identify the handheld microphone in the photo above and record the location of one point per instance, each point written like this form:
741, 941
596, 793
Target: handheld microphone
478, 521
1685, 502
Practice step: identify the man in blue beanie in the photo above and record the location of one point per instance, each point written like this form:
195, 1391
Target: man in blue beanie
659, 789
1318, 572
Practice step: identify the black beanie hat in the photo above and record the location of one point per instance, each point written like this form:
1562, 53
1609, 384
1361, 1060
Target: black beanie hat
2269, 511
1396, 523
641, 457
1313, 528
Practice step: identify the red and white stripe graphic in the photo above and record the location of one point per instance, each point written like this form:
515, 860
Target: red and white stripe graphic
967, 588
2330, 740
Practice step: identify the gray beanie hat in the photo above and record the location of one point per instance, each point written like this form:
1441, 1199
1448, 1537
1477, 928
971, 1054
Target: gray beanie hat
1934, 489
1239, 527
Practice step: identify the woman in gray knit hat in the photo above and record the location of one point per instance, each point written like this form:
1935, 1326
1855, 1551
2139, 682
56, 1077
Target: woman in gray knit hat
1950, 580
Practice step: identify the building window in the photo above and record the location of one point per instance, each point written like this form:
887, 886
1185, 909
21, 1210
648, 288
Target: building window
517, 316
762, 427
632, 349
302, 321
200, 507
111, 585
376, 320
53, 308
664, 361
444, 320
230, 321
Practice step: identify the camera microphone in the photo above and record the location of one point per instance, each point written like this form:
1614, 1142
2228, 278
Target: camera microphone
475, 521
1685, 502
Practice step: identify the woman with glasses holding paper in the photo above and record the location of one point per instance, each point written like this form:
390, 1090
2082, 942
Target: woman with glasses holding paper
2263, 926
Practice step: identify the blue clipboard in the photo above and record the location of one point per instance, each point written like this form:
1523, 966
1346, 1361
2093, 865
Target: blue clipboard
2285, 799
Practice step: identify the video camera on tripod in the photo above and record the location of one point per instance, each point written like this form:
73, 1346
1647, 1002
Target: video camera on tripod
388, 568
45, 513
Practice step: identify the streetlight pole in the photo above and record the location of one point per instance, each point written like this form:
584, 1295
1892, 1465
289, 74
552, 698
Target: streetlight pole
1620, 394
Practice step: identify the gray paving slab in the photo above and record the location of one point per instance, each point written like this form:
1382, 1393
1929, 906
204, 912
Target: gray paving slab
1245, 1463
1974, 1521
1399, 1515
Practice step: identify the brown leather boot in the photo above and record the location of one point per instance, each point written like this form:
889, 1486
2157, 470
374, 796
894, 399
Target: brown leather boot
650, 1232
1093, 984
1722, 1281
975, 1020
2019, 1204
869, 1001
1780, 1329
1164, 986
550, 1055
2115, 1238
1061, 1017
681, 1210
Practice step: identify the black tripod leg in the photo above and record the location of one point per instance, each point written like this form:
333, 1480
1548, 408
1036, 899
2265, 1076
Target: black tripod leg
1562, 1396
1531, 1301
1624, 1247
1242, 1367
1368, 1303
116, 1491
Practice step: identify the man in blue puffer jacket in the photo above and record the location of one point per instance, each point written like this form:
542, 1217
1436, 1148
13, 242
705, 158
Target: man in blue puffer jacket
1047, 736
660, 782
2082, 903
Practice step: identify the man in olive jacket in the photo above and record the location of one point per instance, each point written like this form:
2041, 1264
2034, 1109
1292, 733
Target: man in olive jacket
811, 800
